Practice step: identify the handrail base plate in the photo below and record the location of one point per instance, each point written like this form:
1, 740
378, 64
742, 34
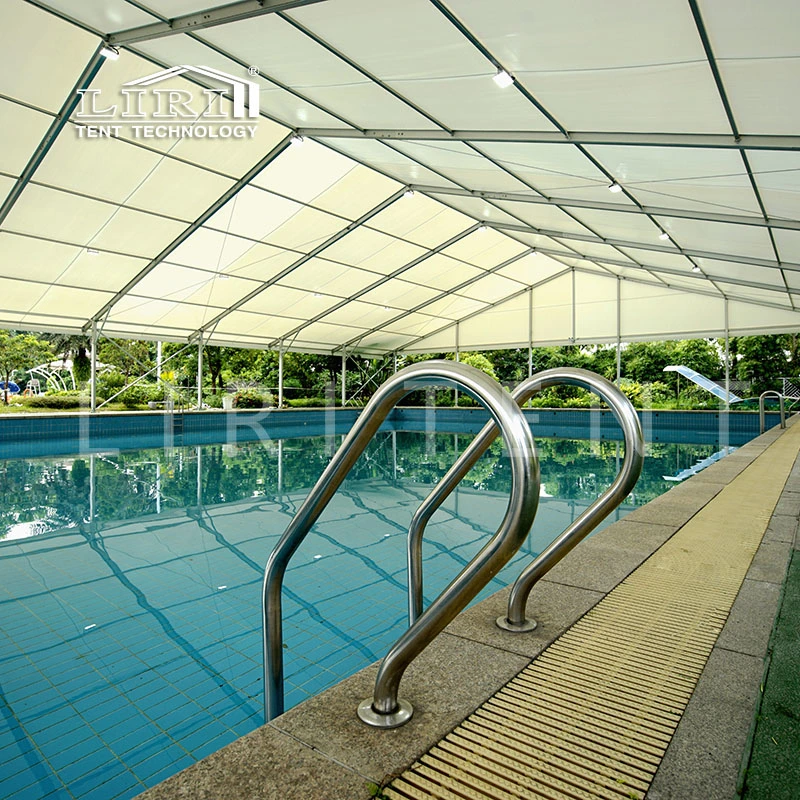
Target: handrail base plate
524, 627
398, 717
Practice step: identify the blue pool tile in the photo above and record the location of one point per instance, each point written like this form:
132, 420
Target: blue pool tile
176, 766
89, 764
159, 761
29, 787
97, 777
125, 784
74, 752
212, 745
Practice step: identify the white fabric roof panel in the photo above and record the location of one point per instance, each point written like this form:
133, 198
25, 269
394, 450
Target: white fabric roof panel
684, 178
185, 228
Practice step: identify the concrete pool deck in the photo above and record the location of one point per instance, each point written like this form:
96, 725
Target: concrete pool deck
319, 750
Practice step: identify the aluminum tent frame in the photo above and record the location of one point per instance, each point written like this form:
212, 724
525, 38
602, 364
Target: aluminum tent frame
392, 193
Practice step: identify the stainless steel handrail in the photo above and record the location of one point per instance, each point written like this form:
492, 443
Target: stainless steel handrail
762, 421
384, 709
579, 529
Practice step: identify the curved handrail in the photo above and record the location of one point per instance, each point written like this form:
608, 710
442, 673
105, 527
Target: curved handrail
762, 421
384, 709
579, 529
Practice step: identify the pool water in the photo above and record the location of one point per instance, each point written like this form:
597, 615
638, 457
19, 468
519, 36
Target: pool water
130, 585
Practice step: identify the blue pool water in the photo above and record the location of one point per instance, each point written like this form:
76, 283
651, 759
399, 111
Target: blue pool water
130, 581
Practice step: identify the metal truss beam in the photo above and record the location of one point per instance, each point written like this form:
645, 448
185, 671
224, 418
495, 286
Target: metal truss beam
219, 15
683, 251
697, 140
631, 265
211, 324
624, 208
198, 223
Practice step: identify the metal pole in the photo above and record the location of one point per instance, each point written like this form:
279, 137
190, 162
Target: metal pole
727, 360
458, 358
344, 379
572, 338
93, 388
280, 376
158, 363
530, 331
619, 330
200, 372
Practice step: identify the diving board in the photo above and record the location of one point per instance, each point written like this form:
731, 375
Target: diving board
704, 382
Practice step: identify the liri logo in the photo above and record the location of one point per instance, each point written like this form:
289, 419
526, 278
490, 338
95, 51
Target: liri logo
148, 110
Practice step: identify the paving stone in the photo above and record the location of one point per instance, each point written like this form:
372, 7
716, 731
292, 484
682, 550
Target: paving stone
749, 623
445, 684
264, 765
703, 759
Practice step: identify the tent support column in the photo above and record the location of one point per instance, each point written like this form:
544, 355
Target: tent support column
159, 361
344, 378
458, 358
619, 330
727, 360
93, 379
572, 337
530, 332
280, 375
200, 372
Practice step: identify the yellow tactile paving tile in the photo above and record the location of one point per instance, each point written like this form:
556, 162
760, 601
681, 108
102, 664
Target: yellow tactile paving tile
592, 716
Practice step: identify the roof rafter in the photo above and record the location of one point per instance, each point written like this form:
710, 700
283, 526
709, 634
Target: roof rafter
656, 211
684, 251
209, 18
712, 141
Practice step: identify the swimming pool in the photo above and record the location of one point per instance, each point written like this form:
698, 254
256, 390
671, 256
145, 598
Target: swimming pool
130, 584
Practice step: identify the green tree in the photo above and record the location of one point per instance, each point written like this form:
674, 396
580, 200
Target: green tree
77, 348
701, 355
129, 356
20, 351
762, 360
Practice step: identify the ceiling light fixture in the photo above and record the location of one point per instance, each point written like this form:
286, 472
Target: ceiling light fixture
92, 251
503, 79
615, 188
110, 52
664, 236
409, 192
297, 139
695, 268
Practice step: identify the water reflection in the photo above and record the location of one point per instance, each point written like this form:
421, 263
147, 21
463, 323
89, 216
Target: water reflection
44, 495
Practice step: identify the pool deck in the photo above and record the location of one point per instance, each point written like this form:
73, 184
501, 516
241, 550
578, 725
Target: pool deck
319, 750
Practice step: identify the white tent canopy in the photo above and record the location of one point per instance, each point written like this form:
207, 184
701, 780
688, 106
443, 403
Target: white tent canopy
511, 234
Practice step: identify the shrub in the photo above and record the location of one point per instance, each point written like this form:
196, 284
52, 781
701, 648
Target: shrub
250, 398
135, 396
307, 402
109, 383
57, 401
213, 400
